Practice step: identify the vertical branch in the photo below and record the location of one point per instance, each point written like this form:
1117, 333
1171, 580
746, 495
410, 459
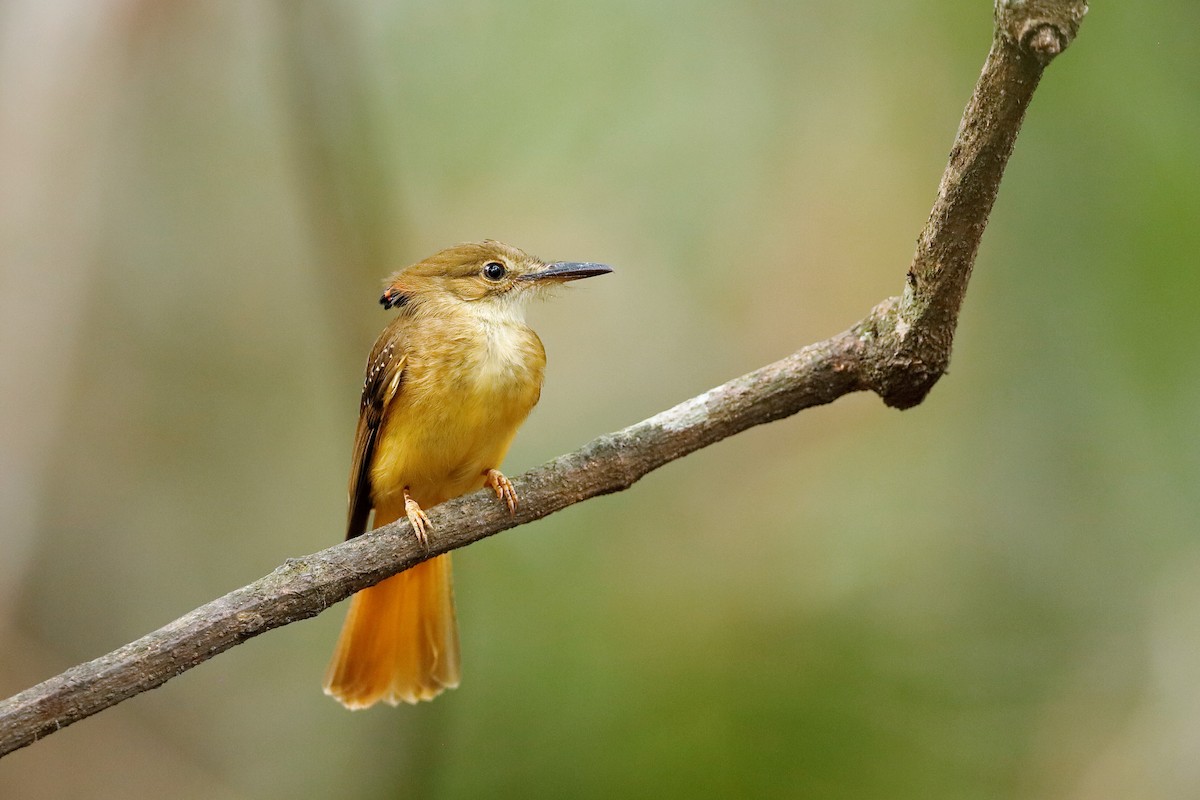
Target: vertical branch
1028, 35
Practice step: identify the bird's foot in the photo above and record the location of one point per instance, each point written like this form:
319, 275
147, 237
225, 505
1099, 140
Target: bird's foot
503, 488
418, 519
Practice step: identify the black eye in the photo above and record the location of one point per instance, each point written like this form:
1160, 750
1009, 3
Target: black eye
494, 271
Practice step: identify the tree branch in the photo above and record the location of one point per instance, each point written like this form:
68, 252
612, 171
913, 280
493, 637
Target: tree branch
898, 351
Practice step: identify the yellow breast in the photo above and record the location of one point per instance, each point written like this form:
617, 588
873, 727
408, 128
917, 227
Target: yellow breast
468, 384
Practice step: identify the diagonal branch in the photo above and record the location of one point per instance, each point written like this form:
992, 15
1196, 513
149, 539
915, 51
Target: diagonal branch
899, 350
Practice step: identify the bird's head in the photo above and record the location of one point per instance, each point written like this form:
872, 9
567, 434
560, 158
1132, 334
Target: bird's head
490, 273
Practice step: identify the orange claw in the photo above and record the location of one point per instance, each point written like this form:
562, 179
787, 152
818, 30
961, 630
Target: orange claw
503, 488
417, 518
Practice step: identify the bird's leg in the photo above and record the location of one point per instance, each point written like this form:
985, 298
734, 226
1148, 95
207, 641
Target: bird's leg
417, 518
503, 488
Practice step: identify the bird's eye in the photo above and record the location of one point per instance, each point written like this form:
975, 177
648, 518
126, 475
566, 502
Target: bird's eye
494, 271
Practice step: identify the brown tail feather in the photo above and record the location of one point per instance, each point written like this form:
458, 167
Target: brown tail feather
399, 641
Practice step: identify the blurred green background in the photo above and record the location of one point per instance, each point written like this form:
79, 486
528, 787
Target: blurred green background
994, 595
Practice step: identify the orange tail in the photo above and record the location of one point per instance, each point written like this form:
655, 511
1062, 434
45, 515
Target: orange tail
399, 641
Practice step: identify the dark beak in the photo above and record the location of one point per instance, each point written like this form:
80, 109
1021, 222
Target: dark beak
567, 271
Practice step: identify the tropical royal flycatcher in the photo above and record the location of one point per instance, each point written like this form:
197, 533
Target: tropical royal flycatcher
448, 383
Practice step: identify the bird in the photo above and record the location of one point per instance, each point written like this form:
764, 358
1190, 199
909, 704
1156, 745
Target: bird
448, 383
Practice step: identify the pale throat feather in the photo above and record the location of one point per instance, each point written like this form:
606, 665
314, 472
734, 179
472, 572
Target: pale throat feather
508, 346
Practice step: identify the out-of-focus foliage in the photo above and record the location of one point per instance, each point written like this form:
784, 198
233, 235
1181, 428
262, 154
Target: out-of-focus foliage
994, 595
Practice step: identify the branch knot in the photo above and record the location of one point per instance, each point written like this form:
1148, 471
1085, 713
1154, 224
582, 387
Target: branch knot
1041, 28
